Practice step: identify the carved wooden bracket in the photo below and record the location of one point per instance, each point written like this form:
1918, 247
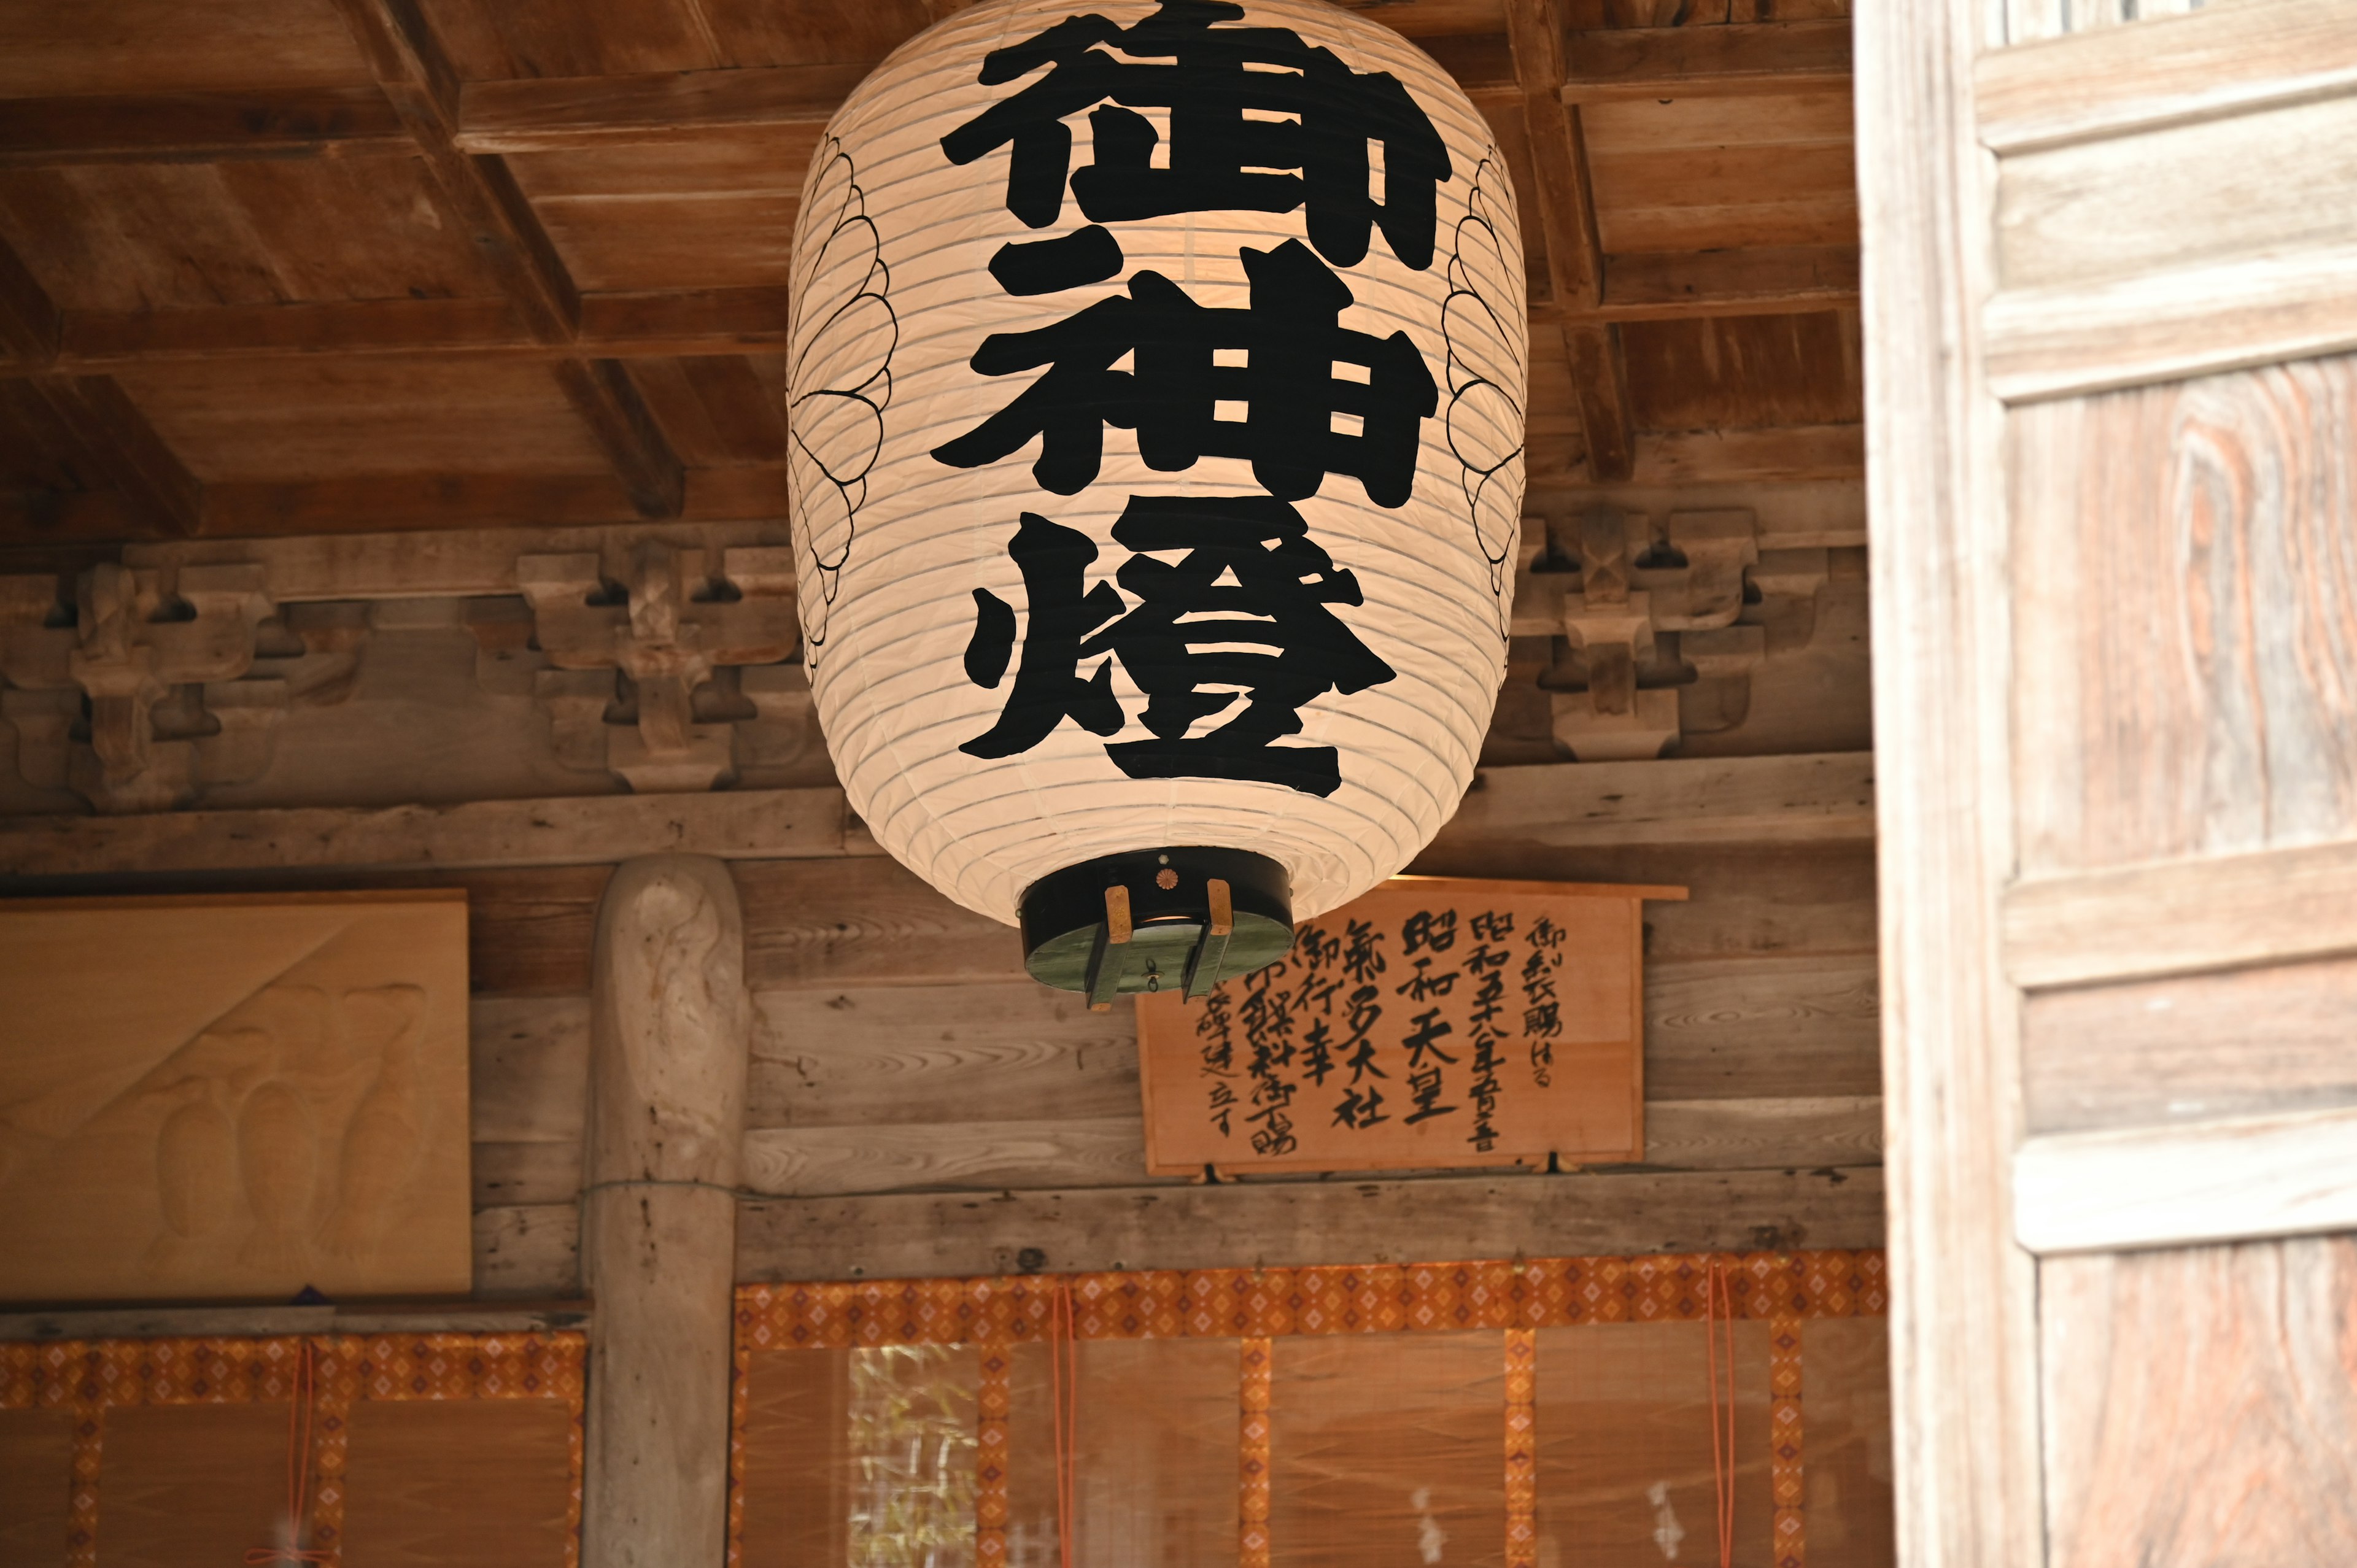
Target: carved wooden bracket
1699, 595
636, 634
142, 688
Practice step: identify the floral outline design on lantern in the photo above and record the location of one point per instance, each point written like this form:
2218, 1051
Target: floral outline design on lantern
1480, 409
844, 321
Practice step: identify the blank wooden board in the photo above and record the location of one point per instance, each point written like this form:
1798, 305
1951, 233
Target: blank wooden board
1434, 1022
36, 1487
454, 1483
226, 1096
186, 1484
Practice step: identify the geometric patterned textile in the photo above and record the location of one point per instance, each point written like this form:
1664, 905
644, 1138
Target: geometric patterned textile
1244, 1303
90, 1377
1257, 1307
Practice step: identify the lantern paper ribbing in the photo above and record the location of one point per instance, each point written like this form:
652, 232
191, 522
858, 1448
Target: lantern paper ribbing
1156, 390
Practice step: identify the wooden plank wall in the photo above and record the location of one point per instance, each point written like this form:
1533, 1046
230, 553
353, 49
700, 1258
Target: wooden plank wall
918, 1107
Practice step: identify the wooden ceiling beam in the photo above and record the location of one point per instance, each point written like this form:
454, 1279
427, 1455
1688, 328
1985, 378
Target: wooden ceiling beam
1575, 257
562, 114
603, 394
197, 127
1763, 280
121, 451
703, 323
406, 502
480, 194
1638, 64
694, 323
30, 324
112, 446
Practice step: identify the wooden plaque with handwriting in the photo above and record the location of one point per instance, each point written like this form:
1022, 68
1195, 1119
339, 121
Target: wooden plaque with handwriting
1435, 1022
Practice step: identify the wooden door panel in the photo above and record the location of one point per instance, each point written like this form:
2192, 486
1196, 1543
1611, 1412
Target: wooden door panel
2201, 1405
2111, 415
2185, 591
2171, 197
2191, 1048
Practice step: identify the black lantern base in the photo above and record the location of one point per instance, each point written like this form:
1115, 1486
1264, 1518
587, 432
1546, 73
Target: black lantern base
1156, 919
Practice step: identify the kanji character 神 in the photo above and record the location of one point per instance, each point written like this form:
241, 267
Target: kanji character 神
1290, 340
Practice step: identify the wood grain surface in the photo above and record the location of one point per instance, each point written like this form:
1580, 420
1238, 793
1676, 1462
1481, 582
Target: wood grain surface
1963, 1322
1305, 1222
2217, 912
2202, 1405
448, 1484
2285, 1173
35, 1486
2191, 1048
193, 1483
2192, 610
1102, 1152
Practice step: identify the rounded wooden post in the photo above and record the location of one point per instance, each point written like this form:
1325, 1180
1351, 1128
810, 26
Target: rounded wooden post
668, 1046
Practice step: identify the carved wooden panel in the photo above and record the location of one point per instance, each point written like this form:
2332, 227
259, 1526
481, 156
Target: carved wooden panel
233, 1097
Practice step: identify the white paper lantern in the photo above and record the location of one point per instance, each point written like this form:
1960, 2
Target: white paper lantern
1156, 389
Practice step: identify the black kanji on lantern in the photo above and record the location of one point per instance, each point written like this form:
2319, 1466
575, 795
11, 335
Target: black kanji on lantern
1289, 341
1259, 122
1239, 625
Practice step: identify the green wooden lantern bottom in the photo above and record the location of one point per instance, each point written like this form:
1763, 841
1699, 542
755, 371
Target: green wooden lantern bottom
1182, 918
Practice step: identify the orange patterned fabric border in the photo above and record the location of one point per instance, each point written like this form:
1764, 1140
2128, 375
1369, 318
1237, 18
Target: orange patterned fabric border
1543, 1292
1253, 1373
993, 1415
1786, 1479
90, 1377
1522, 1448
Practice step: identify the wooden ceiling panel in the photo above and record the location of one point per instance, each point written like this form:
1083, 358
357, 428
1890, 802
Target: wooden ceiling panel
135, 237
304, 419
288, 313
1707, 201
1744, 370
357, 229
716, 410
812, 32
1704, 123
1703, 174
713, 210
58, 47
1593, 15
37, 451
496, 38
142, 237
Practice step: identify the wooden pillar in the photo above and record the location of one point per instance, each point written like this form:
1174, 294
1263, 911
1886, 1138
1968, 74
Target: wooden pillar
659, 1218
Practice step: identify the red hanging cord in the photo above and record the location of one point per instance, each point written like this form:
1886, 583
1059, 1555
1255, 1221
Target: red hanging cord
299, 1468
1064, 1388
1717, 1302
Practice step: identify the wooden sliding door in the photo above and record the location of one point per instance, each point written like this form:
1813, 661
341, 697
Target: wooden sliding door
2111, 337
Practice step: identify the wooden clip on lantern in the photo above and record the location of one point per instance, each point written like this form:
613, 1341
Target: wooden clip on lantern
1176, 919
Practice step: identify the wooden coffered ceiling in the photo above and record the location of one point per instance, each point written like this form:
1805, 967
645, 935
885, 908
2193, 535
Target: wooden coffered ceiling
291, 266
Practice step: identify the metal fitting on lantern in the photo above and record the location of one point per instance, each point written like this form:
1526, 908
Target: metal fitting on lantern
1156, 919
